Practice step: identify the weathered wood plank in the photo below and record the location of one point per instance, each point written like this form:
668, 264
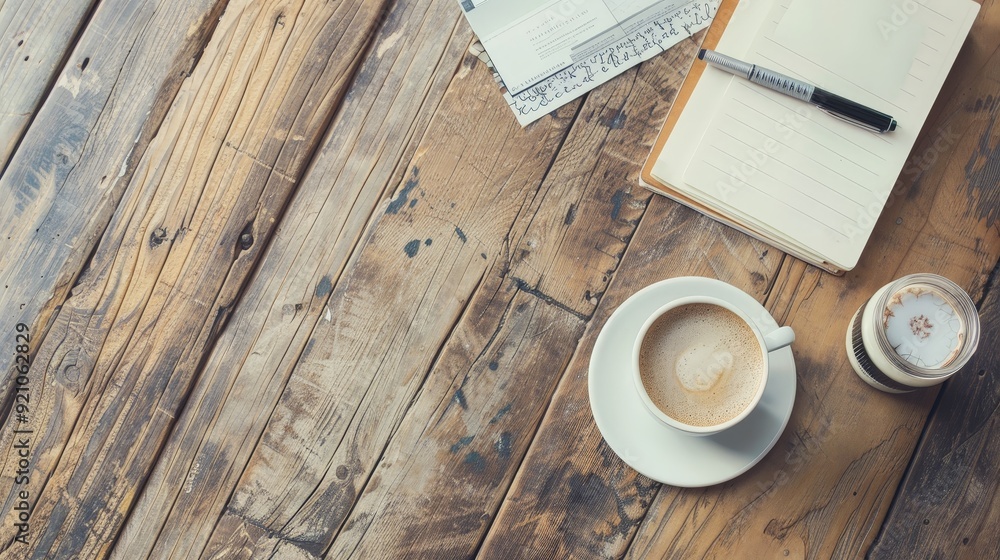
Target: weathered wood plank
576, 267
73, 164
37, 36
394, 305
371, 141
204, 201
825, 488
400, 440
949, 503
573, 497
441, 477
445, 471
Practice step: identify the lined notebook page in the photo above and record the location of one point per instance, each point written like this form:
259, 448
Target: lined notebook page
780, 165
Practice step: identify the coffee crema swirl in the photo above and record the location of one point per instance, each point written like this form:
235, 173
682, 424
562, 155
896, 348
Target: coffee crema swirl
701, 364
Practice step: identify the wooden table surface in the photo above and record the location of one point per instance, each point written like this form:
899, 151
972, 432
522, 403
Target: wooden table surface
297, 285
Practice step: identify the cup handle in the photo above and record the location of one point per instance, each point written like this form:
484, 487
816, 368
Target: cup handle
779, 338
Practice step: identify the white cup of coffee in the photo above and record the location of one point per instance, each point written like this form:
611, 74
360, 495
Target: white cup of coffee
700, 364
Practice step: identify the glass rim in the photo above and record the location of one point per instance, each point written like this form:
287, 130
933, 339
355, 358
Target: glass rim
956, 297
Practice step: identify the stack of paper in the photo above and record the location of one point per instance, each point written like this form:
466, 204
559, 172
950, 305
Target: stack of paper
549, 53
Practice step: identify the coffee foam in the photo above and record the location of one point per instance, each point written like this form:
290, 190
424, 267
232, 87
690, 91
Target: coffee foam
923, 327
701, 364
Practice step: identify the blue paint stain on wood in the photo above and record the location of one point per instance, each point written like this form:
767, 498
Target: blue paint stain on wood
614, 121
428, 242
989, 103
411, 248
587, 490
617, 200
156, 238
475, 461
403, 197
493, 366
460, 234
460, 399
461, 443
503, 445
324, 287
503, 412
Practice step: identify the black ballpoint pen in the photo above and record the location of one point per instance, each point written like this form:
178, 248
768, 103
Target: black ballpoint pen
840, 107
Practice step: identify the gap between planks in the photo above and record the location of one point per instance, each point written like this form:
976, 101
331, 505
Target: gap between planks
460, 318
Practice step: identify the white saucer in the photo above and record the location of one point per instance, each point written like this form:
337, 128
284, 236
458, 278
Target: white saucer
655, 450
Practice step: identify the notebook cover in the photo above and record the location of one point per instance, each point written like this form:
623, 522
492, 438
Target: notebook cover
646, 179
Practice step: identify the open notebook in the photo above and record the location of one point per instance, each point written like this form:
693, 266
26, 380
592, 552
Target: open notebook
784, 170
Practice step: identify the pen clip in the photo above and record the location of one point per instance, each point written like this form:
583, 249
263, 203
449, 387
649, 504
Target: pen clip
855, 122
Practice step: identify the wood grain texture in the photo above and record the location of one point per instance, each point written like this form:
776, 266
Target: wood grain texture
37, 37
300, 287
949, 502
825, 488
73, 164
443, 474
438, 482
203, 202
846, 445
395, 304
369, 145
572, 496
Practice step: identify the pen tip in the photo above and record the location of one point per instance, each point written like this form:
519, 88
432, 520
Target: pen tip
892, 125
701, 54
